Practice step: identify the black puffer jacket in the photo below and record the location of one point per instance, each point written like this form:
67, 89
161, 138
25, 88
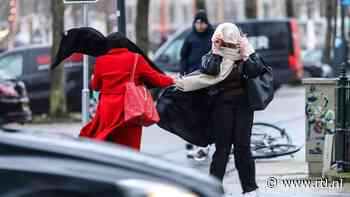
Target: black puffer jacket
196, 45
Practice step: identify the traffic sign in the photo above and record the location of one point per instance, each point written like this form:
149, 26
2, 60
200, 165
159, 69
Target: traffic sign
79, 1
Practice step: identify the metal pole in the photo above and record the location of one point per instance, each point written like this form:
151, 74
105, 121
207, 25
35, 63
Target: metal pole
335, 18
85, 91
342, 134
343, 10
121, 16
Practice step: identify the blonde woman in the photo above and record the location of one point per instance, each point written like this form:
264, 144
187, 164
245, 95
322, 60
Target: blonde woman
231, 119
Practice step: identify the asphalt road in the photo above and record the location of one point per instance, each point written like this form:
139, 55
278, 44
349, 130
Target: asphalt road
286, 111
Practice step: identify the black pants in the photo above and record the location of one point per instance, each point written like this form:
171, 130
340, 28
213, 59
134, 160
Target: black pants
232, 123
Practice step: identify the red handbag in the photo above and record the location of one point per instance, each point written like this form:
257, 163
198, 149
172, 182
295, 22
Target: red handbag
139, 108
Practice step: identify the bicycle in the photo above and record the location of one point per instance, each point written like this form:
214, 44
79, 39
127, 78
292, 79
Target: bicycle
268, 141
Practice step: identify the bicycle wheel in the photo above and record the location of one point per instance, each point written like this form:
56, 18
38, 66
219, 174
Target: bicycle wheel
265, 134
276, 150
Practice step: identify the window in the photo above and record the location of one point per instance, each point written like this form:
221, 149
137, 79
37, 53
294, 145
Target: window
173, 52
263, 38
169, 60
12, 65
40, 59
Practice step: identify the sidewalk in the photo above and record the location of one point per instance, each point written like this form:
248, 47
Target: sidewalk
285, 169
280, 169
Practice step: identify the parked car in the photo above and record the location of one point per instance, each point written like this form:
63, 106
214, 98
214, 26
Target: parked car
31, 65
313, 65
14, 101
34, 164
276, 40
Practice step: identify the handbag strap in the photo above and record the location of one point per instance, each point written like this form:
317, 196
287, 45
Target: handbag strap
132, 77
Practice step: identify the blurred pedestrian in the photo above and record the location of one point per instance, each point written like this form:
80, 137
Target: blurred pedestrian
112, 71
230, 116
196, 44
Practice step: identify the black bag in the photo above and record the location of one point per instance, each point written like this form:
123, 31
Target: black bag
211, 64
260, 89
185, 114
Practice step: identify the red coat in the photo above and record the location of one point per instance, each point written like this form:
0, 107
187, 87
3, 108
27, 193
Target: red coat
111, 73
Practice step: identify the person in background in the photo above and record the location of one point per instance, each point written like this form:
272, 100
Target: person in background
196, 44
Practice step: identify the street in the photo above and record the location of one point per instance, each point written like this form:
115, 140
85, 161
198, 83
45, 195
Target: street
286, 111
57, 58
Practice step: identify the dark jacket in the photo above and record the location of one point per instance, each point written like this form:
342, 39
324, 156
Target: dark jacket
233, 84
195, 46
186, 114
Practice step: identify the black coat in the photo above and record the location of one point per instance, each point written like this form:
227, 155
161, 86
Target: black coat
187, 114
195, 46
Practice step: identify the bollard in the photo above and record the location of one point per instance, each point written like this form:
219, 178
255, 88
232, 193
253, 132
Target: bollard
342, 156
347, 125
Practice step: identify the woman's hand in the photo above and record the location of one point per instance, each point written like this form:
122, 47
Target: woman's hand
178, 84
217, 41
246, 49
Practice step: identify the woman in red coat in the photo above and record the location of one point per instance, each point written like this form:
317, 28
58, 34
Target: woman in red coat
112, 72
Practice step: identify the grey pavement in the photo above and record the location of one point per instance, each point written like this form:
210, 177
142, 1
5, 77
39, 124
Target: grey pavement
286, 110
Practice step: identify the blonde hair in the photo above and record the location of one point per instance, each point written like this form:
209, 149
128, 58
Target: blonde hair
228, 32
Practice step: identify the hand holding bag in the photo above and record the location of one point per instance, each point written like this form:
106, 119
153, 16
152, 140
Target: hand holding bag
139, 108
210, 64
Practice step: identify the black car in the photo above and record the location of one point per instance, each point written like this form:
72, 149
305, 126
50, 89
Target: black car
14, 101
31, 65
276, 40
35, 164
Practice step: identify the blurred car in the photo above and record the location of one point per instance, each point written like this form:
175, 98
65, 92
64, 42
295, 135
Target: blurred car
31, 65
36, 164
313, 65
276, 40
14, 101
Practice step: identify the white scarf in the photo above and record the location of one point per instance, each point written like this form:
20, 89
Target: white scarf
228, 32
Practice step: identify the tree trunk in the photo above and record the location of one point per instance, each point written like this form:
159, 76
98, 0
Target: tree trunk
328, 42
290, 8
200, 5
142, 24
251, 8
57, 94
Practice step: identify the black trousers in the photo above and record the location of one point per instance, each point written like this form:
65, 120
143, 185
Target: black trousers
231, 125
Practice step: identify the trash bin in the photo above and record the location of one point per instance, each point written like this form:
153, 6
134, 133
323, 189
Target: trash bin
320, 109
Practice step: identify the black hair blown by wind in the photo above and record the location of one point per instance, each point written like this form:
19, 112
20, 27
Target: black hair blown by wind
89, 41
